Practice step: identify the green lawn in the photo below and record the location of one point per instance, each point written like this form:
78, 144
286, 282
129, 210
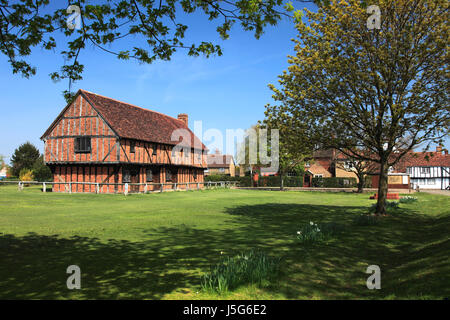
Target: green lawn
157, 246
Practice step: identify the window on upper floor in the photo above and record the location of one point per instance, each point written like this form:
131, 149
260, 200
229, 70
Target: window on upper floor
132, 147
425, 170
348, 165
154, 150
82, 144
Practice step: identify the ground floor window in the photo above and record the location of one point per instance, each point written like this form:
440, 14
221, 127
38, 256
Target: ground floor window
194, 174
431, 181
126, 177
149, 175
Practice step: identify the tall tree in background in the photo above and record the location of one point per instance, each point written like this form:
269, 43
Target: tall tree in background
24, 157
370, 89
156, 28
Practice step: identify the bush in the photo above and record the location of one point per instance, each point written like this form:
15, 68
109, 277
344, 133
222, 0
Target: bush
333, 182
365, 220
41, 172
312, 232
26, 175
390, 205
408, 199
253, 267
274, 181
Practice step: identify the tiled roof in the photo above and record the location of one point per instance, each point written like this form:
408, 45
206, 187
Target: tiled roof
219, 160
133, 122
424, 159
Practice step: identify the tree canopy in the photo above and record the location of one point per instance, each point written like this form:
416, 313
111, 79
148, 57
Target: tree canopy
26, 24
24, 157
369, 92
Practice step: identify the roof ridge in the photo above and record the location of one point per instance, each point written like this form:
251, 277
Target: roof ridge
132, 105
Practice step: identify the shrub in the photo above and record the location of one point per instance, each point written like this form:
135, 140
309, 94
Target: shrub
333, 182
26, 175
253, 267
390, 205
408, 199
312, 232
365, 220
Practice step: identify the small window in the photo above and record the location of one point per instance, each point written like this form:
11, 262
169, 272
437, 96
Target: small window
132, 147
83, 144
154, 151
168, 176
292, 174
431, 181
194, 174
126, 177
318, 176
425, 170
149, 175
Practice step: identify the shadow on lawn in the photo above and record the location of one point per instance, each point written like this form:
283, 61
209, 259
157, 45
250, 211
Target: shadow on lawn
34, 266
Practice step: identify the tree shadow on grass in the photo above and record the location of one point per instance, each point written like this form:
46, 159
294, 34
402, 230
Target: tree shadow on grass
410, 248
171, 259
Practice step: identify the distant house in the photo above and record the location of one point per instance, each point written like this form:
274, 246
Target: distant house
320, 166
97, 139
220, 164
427, 170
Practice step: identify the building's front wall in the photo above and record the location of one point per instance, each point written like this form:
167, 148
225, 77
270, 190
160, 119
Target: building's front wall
430, 177
110, 155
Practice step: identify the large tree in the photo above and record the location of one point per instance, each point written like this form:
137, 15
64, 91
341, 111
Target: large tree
154, 29
370, 89
24, 157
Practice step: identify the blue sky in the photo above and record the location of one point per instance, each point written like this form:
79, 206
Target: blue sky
227, 92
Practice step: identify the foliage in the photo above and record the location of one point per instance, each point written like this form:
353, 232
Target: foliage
274, 181
389, 205
333, 182
252, 267
365, 220
408, 199
374, 93
314, 233
26, 175
24, 157
25, 25
40, 171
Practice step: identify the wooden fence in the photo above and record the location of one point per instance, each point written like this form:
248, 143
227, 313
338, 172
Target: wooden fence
158, 187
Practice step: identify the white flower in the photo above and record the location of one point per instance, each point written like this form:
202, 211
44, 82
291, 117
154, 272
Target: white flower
311, 223
299, 232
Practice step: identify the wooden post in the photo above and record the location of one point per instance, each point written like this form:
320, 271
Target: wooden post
70, 187
146, 188
175, 186
125, 191
19, 187
44, 187
162, 186
97, 188
198, 186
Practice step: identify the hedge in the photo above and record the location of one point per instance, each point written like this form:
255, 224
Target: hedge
333, 182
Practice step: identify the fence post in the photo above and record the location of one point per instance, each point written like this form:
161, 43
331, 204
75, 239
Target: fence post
187, 186
19, 186
161, 189
175, 186
70, 187
97, 188
125, 191
44, 187
146, 188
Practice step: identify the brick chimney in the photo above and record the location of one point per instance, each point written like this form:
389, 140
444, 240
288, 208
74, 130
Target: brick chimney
183, 117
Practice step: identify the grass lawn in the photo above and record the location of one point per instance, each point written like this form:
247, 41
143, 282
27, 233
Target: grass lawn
157, 246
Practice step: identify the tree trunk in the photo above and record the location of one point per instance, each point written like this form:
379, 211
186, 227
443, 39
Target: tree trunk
360, 183
382, 189
281, 182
